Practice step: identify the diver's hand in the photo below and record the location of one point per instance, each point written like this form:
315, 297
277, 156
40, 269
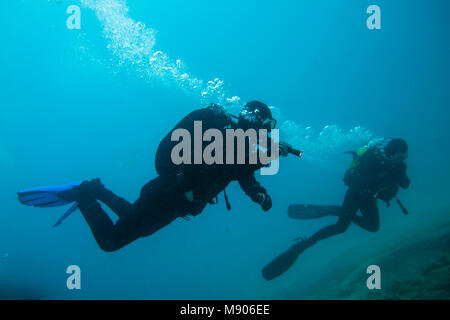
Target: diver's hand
284, 149
264, 200
260, 196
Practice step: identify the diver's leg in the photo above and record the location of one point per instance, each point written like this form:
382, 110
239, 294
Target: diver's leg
286, 259
154, 209
347, 211
138, 223
107, 235
370, 219
118, 205
92, 190
97, 190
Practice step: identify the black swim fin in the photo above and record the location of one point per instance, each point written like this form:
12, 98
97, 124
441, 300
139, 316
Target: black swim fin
310, 211
284, 261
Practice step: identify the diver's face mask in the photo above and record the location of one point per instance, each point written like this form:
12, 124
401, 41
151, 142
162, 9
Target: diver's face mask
269, 124
251, 121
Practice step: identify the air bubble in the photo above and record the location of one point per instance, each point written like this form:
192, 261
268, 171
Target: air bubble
132, 44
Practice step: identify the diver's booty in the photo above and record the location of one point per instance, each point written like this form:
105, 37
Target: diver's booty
95, 188
87, 191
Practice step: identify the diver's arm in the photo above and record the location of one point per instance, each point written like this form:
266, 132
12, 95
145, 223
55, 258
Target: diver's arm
399, 176
371, 224
251, 187
255, 191
405, 182
404, 179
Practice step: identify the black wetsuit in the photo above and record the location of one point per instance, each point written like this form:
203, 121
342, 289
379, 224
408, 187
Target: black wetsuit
374, 178
163, 199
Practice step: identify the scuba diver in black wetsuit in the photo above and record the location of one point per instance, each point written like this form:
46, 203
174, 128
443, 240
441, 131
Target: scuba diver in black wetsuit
377, 172
178, 190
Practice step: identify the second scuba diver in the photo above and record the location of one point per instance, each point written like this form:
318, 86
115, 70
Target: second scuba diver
378, 171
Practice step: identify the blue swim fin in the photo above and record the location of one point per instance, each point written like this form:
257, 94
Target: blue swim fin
47, 197
72, 209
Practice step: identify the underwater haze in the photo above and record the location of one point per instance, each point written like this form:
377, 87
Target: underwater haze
77, 104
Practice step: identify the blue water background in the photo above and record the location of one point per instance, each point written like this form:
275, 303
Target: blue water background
70, 112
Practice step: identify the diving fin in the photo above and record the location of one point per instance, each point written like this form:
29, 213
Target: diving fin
47, 197
310, 211
284, 261
71, 210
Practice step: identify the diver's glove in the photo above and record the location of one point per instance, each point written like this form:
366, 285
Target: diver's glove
259, 195
264, 200
284, 149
